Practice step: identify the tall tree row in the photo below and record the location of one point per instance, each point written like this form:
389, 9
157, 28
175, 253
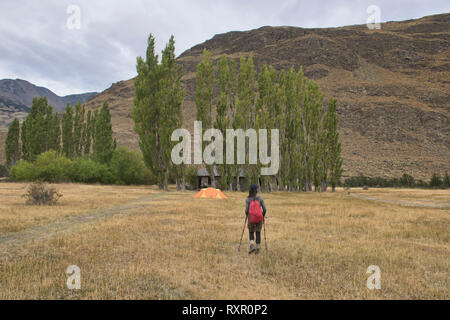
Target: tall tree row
288, 101
72, 135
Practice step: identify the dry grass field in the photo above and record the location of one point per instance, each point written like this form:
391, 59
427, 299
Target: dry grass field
139, 243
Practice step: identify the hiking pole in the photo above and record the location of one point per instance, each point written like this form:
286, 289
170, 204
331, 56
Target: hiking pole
243, 228
265, 239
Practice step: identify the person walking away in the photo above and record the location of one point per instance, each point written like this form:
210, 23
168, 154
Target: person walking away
255, 210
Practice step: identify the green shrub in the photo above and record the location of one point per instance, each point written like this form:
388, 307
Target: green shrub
22, 171
90, 171
128, 166
51, 167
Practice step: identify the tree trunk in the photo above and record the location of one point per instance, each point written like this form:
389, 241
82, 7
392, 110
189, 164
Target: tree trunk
166, 178
238, 186
183, 182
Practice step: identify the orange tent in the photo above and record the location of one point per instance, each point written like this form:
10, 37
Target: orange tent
211, 193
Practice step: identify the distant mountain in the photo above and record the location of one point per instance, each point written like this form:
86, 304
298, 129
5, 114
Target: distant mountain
16, 97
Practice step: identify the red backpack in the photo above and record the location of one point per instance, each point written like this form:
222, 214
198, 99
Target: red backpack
255, 212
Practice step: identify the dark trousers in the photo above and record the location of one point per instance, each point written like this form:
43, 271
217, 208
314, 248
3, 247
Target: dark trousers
258, 236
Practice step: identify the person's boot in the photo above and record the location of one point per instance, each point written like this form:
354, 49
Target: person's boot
258, 247
252, 248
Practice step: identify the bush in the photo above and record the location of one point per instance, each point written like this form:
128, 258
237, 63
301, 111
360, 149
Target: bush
40, 194
128, 166
22, 171
51, 167
90, 171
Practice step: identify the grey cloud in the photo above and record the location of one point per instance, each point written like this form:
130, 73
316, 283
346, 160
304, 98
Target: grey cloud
36, 45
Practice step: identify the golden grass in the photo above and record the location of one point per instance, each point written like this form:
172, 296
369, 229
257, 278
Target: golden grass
177, 247
15, 215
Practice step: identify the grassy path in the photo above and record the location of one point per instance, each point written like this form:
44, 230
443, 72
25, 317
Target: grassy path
445, 206
12, 240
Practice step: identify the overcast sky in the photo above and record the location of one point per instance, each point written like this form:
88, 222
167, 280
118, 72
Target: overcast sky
40, 41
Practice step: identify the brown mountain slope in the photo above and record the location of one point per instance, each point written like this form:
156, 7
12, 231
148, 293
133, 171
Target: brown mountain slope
392, 86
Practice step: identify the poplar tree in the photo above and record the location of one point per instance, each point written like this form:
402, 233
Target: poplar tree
55, 133
157, 107
204, 99
78, 129
222, 120
310, 122
12, 148
23, 138
104, 144
245, 112
266, 115
67, 132
281, 125
88, 133
40, 130
36, 129
172, 96
334, 146
94, 118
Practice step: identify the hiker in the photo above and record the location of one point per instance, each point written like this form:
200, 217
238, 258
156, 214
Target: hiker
253, 206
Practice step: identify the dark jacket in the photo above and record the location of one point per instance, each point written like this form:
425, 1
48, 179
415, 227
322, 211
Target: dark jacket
261, 202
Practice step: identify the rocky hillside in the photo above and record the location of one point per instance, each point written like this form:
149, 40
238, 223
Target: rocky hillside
392, 85
16, 97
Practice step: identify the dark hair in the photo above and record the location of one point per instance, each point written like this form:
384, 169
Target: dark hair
253, 191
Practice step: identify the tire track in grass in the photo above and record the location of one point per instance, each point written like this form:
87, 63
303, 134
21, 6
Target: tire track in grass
13, 240
444, 206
